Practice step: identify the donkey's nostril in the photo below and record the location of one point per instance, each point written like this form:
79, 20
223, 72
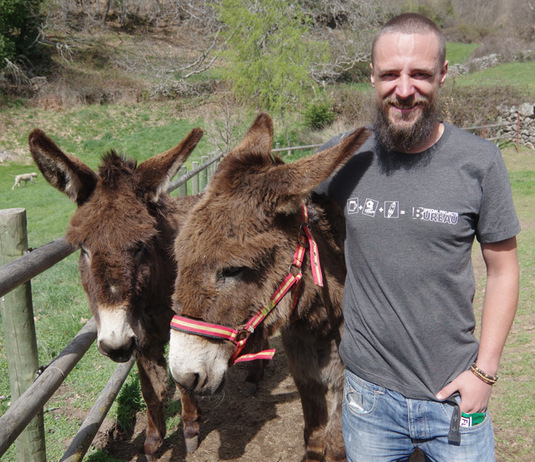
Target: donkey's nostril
120, 353
195, 381
188, 381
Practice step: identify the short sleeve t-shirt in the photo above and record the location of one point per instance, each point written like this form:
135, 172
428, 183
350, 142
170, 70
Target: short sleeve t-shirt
410, 224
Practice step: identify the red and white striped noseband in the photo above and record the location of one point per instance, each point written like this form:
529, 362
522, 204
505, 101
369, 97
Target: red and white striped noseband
291, 283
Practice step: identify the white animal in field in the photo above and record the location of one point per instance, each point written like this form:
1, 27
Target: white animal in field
24, 177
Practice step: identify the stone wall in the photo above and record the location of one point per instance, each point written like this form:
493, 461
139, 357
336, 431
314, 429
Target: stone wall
526, 112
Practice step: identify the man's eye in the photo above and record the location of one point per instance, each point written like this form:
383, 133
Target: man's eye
422, 76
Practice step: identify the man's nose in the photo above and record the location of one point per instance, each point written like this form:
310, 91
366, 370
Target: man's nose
404, 88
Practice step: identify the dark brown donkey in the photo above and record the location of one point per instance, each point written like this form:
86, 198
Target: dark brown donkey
236, 248
125, 226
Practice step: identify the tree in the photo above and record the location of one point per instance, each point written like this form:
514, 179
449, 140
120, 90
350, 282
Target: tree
19, 29
269, 53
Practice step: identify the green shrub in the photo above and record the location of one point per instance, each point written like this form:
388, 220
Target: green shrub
318, 115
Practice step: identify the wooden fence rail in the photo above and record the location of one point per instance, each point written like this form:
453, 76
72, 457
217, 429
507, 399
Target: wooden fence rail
33, 263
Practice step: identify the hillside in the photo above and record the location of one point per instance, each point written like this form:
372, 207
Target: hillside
146, 50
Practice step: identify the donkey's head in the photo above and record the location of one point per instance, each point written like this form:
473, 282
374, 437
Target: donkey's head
124, 236
237, 245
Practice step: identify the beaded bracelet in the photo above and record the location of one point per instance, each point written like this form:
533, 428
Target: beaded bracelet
488, 379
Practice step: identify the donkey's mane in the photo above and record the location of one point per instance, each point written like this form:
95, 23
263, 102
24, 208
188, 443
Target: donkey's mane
114, 167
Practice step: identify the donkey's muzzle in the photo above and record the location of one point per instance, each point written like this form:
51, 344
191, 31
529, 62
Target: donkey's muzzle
118, 354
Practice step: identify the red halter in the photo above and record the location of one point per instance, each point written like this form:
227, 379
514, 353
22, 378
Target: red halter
291, 282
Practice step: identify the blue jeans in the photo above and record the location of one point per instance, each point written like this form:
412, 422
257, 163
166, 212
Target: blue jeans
381, 425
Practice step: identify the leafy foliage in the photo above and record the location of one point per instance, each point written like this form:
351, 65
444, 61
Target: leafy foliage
19, 29
269, 52
318, 115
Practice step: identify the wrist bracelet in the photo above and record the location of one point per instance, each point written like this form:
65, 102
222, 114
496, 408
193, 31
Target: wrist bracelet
488, 379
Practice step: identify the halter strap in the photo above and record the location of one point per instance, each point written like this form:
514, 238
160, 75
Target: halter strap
290, 283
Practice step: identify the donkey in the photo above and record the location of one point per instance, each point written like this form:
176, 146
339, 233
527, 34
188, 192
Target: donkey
125, 226
236, 248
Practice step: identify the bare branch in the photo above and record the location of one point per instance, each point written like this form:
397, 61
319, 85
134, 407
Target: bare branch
196, 65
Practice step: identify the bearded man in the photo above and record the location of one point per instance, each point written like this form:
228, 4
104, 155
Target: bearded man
414, 198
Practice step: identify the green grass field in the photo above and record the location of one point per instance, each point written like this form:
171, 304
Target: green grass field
458, 53
519, 75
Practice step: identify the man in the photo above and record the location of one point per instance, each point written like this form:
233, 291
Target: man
414, 197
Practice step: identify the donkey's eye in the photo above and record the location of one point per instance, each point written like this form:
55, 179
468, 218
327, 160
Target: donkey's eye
84, 252
139, 253
232, 272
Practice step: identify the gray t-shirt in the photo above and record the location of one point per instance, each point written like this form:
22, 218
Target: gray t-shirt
410, 224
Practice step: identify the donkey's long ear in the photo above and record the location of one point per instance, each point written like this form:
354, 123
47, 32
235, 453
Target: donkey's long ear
291, 183
155, 173
259, 137
66, 173
253, 152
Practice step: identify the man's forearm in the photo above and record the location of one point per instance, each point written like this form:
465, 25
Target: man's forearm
500, 303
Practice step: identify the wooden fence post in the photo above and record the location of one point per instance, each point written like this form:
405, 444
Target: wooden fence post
195, 179
203, 175
19, 333
212, 167
182, 190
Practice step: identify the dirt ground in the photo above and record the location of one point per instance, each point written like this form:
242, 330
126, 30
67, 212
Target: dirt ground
265, 427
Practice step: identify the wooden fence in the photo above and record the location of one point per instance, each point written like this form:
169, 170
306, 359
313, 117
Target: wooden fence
17, 273
23, 421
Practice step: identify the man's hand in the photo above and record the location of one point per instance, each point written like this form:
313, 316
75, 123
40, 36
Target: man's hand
475, 393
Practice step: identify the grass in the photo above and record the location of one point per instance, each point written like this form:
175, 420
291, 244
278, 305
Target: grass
519, 75
138, 130
458, 53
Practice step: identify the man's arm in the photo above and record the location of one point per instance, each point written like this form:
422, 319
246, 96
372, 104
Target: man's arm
501, 299
499, 309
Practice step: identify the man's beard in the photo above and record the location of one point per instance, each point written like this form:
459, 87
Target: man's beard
404, 138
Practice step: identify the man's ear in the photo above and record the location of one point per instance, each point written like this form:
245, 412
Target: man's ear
443, 72
372, 78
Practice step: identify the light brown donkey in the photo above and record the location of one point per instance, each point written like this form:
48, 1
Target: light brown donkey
236, 248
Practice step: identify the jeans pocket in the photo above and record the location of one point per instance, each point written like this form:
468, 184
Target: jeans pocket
359, 396
480, 426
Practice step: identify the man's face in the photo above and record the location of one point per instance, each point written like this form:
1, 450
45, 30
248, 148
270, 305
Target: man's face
406, 76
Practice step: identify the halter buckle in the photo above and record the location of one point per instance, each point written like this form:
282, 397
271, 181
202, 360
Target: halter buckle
243, 333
